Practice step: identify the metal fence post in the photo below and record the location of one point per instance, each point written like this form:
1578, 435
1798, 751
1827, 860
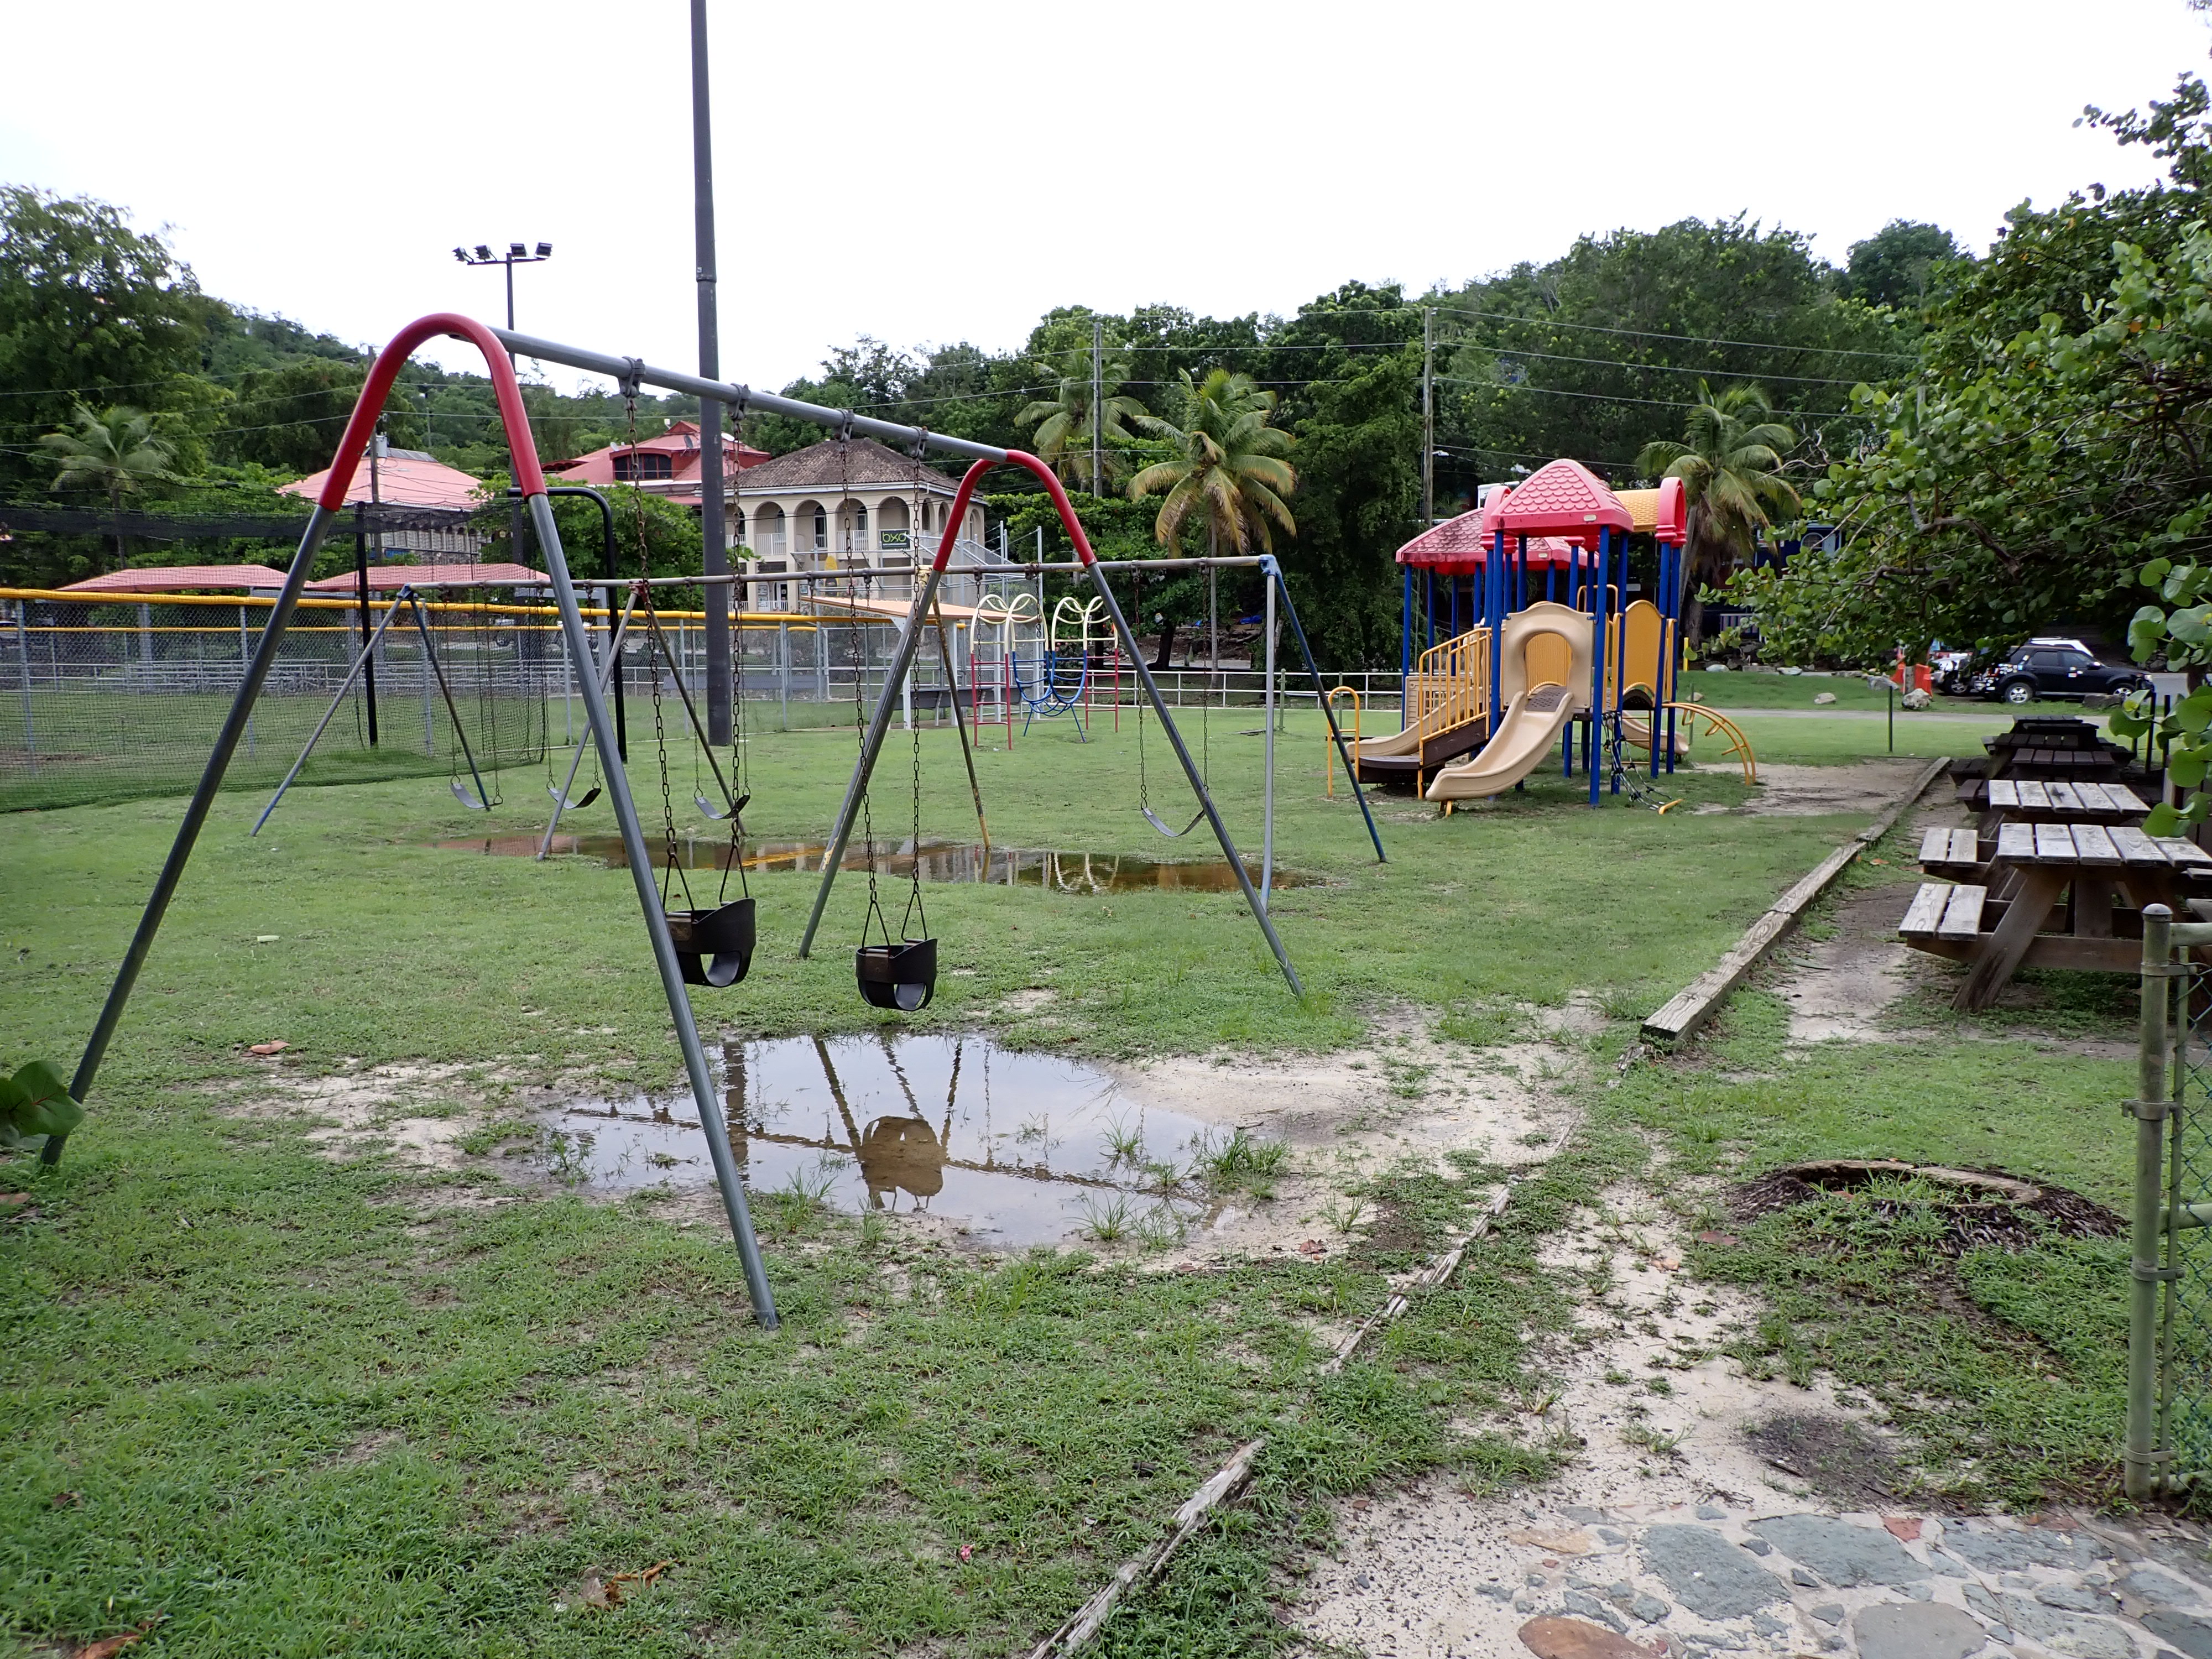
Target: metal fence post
2141, 1461
23, 649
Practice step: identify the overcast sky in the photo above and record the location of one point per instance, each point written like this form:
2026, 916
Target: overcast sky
936, 173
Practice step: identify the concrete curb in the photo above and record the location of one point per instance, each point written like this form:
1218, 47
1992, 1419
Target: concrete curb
1696, 1003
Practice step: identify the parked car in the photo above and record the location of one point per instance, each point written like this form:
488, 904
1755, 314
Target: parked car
2053, 668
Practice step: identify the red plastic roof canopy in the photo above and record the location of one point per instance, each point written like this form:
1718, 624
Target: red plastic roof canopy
1674, 526
1563, 498
1463, 544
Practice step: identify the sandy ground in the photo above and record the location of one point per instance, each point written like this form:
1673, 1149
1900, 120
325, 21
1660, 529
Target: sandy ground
1701, 1511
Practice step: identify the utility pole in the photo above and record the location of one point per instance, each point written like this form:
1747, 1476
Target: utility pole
1097, 398
717, 559
1428, 417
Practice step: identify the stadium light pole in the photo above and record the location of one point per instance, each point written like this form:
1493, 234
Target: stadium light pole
516, 254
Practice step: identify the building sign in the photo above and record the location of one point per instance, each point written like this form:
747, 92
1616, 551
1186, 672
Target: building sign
893, 541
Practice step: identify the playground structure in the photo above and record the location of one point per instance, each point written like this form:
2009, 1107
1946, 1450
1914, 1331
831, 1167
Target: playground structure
1546, 564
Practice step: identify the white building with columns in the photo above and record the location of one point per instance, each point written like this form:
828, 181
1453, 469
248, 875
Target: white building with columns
867, 507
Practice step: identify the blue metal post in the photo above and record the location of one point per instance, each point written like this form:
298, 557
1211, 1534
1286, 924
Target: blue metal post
1521, 575
1598, 645
1659, 669
1551, 582
1674, 599
1493, 569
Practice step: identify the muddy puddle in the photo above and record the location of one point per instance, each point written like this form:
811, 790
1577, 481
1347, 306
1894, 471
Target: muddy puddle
1011, 1149
941, 860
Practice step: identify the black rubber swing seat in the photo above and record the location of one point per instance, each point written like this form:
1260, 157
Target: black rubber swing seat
898, 977
713, 947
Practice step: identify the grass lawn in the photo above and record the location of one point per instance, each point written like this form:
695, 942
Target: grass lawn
285, 1403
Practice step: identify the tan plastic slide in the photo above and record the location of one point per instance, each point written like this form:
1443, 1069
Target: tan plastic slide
1534, 643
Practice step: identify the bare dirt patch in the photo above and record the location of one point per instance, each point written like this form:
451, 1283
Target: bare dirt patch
1865, 788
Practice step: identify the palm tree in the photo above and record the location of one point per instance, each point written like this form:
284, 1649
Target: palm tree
1063, 422
1225, 458
116, 451
1731, 469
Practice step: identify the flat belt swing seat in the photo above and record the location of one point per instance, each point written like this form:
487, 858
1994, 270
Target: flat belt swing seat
1999, 922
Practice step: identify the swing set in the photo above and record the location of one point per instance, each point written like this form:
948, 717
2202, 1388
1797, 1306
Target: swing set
692, 943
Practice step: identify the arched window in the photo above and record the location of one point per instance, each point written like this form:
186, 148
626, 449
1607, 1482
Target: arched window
821, 528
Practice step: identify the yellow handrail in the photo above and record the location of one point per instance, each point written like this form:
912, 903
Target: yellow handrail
1328, 743
1451, 679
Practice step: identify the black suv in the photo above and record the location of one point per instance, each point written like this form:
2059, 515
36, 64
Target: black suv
2047, 669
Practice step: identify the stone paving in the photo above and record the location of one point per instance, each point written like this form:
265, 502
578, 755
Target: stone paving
1689, 1581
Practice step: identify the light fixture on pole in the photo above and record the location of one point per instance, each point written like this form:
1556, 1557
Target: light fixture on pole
516, 254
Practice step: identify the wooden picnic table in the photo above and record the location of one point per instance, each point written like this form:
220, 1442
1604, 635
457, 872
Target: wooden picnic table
2041, 760
2053, 802
1996, 919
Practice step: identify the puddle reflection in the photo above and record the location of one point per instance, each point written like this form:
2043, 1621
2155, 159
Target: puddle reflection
941, 860
1016, 1149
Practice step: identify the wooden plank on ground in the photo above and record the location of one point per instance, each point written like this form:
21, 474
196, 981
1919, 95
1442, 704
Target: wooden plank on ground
1926, 912
2135, 847
2093, 843
2016, 842
1962, 914
2054, 844
2003, 792
1694, 1005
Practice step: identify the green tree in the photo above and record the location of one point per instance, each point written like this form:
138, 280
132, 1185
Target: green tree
1730, 465
1359, 499
1570, 357
1894, 266
92, 312
1063, 424
2057, 436
1225, 463
115, 452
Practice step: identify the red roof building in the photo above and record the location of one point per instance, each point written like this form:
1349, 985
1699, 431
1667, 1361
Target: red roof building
665, 466
184, 578
402, 477
424, 485
389, 577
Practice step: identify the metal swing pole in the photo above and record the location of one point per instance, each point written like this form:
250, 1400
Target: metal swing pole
1327, 709
1267, 787
360, 662
727, 1176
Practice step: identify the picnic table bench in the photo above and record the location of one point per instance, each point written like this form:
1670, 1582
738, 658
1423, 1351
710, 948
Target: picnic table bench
2052, 802
1996, 919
